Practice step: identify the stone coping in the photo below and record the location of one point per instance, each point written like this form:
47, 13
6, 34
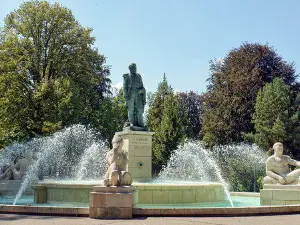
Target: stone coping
139, 186
284, 187
225, 211
249, 194
47, 210
114, 189
170, 186
128, 132
59, 184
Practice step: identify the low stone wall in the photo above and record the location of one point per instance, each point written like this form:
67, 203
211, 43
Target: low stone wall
155, 193
148, 193
273, 194
11, 187
63, 193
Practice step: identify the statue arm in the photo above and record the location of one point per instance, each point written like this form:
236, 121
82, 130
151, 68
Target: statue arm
125, 86
142, 90
110, 157
293, 162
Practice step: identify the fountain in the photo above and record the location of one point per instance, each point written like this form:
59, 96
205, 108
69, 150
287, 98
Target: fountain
189, 167
65, 155
68, 164
191, 180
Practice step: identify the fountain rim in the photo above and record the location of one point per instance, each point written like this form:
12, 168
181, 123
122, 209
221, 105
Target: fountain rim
138, 211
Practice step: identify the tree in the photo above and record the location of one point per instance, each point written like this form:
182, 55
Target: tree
191, 104
156, 102
275, 118
111, 116
170, 132
234, 83
56, 77
165, 117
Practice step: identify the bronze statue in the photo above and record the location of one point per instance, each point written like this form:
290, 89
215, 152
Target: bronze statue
116, 174
135, 96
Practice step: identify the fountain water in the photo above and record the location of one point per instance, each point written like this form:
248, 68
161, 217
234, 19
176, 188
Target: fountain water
74, 151
192, 162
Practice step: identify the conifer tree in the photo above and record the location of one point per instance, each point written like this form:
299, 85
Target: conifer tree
275, 118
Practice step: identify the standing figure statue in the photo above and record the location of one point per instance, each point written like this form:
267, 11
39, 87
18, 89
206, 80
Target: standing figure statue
116, 174
278, 168
135, 96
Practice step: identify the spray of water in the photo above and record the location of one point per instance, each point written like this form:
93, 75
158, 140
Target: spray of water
61, 156
92, 162
193, 162
241, 160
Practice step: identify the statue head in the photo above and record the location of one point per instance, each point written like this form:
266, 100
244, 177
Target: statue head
132, 68
278, 148
117, 142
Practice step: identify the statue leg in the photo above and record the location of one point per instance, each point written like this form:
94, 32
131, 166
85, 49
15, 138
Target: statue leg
125, 178
140, 119
269, 180
292, 176
7, 175
114, 178
130, 104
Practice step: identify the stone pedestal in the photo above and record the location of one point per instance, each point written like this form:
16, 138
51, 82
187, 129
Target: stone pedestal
139, 147
112, 202
40, 194
276, 194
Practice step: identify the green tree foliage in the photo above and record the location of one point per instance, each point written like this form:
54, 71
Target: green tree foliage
155, 102
168, 120
191, 104
170, 132
111, 115
51, 75
231, 93
275, 118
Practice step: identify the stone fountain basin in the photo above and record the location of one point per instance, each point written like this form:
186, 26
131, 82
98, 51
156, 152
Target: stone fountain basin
50, 191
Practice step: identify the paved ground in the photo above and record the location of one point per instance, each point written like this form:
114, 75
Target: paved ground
255, 220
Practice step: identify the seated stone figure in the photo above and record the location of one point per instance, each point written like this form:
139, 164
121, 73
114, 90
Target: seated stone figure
17, 171
278, 170
116, 174
7, 175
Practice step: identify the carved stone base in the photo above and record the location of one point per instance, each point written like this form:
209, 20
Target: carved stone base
40, 194
112, 202
277, 194
139, 147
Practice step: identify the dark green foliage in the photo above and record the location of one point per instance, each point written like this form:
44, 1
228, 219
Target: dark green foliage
169, 121
50, 74
156, 102
191, 104
276, 117
234, 83
244, 179
171, 131
111, 116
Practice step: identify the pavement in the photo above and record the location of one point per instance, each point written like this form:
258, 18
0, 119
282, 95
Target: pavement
8, 219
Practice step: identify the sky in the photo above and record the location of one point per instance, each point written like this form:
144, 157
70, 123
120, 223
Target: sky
180, 37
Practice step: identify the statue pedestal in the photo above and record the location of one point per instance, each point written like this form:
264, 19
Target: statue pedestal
276, 194
40, 194
139, 147
113, 202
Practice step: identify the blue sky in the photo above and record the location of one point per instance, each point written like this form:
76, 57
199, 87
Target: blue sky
179, 37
